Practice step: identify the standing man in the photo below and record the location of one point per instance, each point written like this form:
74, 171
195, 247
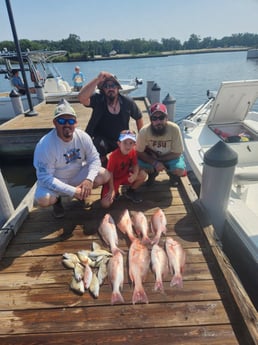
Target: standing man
66, 162
159, 146
78, 79
111, 112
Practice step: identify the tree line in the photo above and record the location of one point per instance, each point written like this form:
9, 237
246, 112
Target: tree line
83, 50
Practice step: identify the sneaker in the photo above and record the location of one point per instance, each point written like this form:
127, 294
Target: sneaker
58, 209
151, 179
174, 180
132, 195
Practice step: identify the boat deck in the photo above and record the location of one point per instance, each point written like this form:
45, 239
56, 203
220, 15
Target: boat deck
38, 307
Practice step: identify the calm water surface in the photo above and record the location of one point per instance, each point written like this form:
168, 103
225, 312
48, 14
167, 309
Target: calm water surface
186, 78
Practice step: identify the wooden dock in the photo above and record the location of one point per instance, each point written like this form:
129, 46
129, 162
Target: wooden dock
19, 136
37, 305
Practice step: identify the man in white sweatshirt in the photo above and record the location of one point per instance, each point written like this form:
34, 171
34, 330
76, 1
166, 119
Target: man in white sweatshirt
66, 162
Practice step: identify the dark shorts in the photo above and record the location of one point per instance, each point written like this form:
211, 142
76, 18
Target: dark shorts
104, 145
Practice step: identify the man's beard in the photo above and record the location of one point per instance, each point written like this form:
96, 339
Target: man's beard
67, 133
158, 131
111, 97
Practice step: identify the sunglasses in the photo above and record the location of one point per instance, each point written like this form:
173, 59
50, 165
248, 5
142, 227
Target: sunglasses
62, 121
155, 118
110, 86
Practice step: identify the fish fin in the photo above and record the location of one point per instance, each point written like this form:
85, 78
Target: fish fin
139, 295
117, 298
155, 239
146, 240
159, 286
177, 280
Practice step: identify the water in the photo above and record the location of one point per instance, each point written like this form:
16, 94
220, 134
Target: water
186, 78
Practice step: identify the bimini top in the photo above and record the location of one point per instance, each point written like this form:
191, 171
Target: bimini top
33, 55
233, 101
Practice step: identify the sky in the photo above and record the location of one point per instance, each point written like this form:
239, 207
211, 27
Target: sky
55, 20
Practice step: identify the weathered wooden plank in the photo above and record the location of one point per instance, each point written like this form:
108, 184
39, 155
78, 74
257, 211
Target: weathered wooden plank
186, 236
46, 297
40, 276
59, 248
116, 317
201, 335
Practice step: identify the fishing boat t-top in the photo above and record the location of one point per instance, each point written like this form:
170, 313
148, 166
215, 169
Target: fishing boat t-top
44, 79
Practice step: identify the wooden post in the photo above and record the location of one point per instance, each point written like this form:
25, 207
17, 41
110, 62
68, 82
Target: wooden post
6, 205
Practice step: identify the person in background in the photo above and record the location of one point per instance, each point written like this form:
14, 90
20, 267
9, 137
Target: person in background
78, 79
124, 170
17, 82
159, 146
111, 112
66, 162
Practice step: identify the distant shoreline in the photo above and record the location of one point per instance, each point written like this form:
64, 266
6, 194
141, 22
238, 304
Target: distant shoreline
163, 54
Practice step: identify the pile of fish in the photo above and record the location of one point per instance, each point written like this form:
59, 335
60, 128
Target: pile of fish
91, 267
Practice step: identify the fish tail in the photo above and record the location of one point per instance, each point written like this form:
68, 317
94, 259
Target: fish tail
139, 295
116, 297
155, 239
177, 280
146, 240
132, 238
159, 286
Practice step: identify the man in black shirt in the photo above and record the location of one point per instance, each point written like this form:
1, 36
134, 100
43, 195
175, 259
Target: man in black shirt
111, 112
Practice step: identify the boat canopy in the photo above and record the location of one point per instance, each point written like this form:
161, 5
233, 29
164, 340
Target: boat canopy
233, 102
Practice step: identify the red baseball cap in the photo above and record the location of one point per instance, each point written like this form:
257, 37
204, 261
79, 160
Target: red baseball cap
158, 107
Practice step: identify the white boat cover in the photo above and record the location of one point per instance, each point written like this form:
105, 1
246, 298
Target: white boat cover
233, 101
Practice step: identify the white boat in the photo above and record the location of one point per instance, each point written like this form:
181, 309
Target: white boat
252, 53
43, 75
231, 116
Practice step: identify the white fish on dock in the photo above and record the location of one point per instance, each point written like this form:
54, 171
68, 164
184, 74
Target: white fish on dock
94, 285
116, 277
125, 225
70, 260
77, 286
139, 262
78, 272
158, 225
102, 269
108, 232
176, 261
95, 254
159, 264
85, 259
141, 226
87, 276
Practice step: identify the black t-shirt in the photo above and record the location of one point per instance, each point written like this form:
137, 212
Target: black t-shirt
103, 123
